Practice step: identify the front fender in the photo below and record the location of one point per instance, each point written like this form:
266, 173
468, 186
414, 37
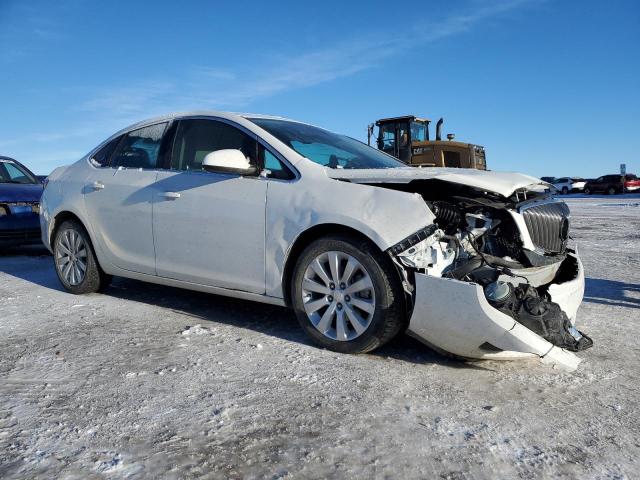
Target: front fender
383, 215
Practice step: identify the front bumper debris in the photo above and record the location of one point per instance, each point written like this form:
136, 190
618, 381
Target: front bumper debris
455, 316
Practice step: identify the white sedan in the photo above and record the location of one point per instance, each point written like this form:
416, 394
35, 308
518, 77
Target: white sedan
567, 185
473, 263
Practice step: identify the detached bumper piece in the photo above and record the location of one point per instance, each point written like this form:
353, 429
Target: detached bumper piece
457, 317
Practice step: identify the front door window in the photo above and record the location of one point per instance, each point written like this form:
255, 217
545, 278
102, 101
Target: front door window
195, 139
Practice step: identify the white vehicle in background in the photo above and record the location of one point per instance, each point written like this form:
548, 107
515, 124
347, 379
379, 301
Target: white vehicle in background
567, 185
473, 263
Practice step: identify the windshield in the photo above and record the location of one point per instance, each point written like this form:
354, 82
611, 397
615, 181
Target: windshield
326, 148
11, 172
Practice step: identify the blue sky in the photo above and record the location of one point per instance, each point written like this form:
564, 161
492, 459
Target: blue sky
549, 87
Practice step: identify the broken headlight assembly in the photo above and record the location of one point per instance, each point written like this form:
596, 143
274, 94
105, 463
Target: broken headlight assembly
426, 250
468, 245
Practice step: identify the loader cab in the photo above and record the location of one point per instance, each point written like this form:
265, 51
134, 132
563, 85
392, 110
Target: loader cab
396, 135
407, 139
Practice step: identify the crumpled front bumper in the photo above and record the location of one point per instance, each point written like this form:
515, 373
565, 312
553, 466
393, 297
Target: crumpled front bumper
455, 316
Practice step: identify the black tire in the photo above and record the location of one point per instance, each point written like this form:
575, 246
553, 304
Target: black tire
389, 316
565, 190
612, 191
94, 277
587, 191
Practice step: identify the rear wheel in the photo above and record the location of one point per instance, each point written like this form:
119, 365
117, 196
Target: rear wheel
565, 190
75, 260
347, 295
612, 191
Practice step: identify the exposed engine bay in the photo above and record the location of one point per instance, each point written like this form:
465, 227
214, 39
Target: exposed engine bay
515, 248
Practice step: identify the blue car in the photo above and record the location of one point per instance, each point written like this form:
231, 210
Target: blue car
20, 192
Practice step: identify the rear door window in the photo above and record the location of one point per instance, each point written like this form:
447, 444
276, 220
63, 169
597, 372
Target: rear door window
139, 148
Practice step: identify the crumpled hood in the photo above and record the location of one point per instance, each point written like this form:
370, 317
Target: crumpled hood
13, 192
502, 183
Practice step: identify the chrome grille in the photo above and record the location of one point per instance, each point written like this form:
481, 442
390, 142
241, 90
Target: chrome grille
548, 226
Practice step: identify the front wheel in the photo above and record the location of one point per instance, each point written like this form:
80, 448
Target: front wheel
347, 295
75, 260
587, 191
565, 190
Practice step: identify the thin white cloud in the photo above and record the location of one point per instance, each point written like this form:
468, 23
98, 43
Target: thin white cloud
205, 87
43, 137
22, 28
210, 87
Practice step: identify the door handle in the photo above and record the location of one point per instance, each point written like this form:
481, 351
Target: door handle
171, 195
97, 185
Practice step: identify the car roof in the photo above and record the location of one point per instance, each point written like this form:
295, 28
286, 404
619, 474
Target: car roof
206, 113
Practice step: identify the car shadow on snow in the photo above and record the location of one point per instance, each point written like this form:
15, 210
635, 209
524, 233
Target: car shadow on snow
611, 292
31, 265
263, 318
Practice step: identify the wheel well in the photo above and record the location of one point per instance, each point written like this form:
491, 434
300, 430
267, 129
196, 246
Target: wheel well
59, 220
304, 240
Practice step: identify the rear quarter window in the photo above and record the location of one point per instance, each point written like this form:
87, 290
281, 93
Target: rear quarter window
102, 157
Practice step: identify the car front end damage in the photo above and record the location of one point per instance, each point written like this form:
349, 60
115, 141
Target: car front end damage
494, 277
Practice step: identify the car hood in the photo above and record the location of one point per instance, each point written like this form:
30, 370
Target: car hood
502, 183
13, 192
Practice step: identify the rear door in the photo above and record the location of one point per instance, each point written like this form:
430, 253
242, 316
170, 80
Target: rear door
118, 198
209, 228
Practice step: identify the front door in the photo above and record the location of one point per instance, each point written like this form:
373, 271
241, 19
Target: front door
118, 200
209, 227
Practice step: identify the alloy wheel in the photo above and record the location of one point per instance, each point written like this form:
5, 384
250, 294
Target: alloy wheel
338, 296
71, 257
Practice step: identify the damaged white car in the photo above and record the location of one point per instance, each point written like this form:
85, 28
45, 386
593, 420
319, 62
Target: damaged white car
476, 264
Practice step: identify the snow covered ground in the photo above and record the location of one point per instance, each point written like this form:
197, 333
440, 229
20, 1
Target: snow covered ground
147, 381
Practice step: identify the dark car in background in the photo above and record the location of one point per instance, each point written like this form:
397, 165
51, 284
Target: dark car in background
20, 192
613, 184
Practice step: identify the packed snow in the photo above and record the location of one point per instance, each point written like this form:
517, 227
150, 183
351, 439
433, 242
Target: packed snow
144, 381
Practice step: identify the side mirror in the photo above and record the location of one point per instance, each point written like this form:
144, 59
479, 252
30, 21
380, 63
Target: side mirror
228, 161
